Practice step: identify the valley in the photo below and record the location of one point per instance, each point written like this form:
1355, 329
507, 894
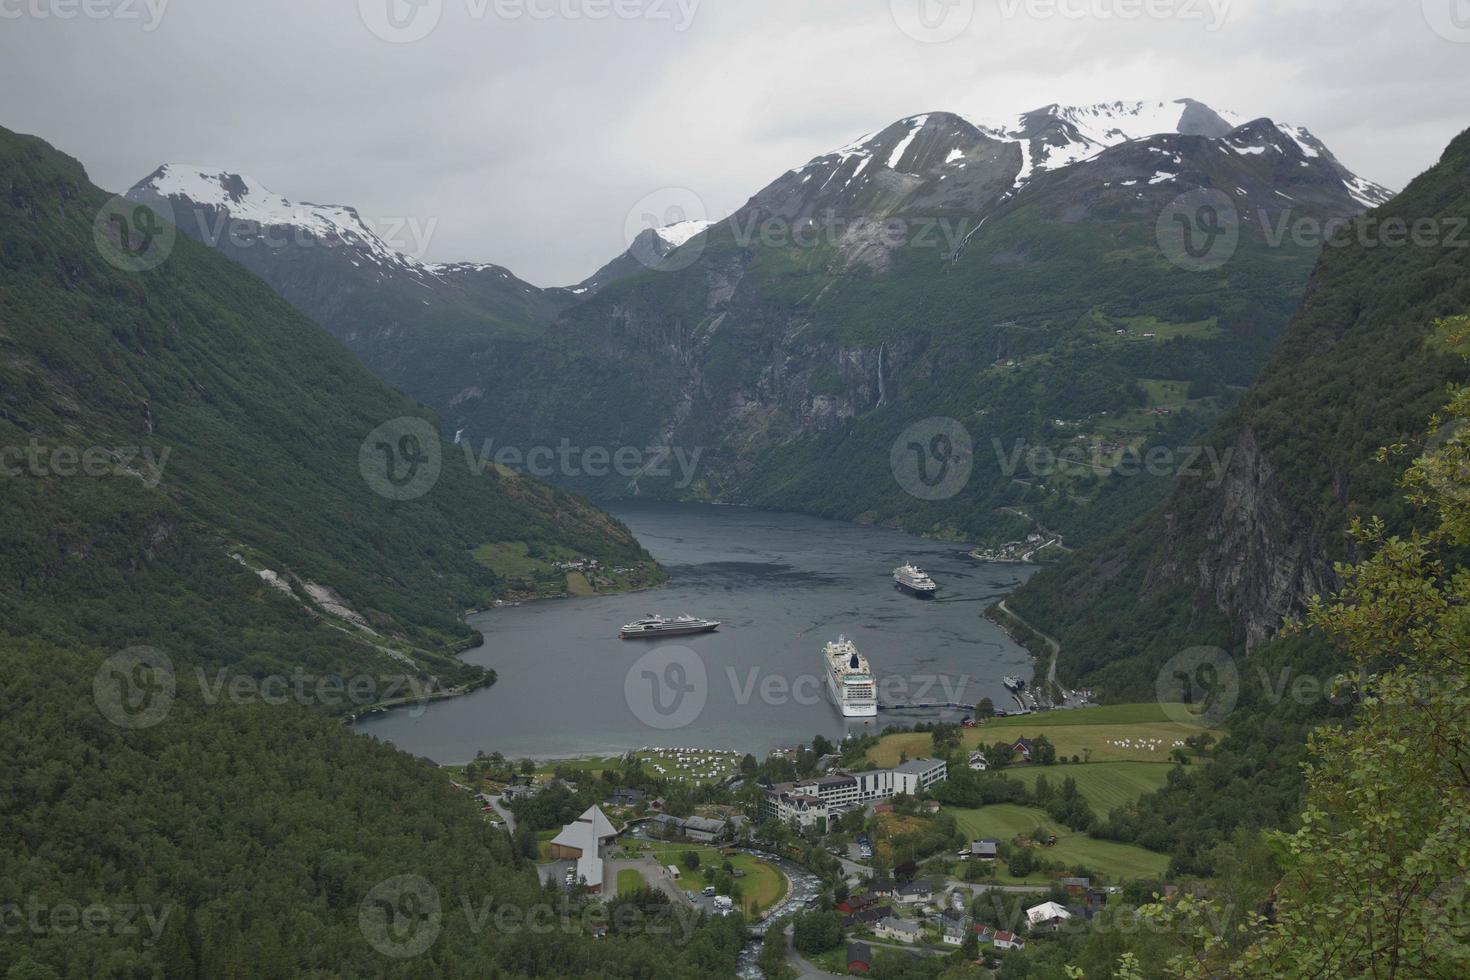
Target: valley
791, 340
931, 533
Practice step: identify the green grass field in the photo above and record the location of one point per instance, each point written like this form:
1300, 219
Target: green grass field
629, 880
1090, 733
1107, 714
763, 884
1120, 862
1104, 785
510, 560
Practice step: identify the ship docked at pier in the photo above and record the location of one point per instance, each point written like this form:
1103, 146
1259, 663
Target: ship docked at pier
849, 680
654, 626
915, 581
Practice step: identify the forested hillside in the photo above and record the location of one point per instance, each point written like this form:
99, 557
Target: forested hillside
187, 467
1358, 370
1008, 277
235, 437
240, 843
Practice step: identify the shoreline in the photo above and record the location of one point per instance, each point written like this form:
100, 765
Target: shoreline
475, 643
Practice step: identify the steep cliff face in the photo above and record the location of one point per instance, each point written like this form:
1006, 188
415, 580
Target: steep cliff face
1360, 368
1259, 557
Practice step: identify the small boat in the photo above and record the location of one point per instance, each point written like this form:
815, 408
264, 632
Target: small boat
651, 626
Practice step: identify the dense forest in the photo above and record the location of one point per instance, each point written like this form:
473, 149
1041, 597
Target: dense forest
1362, 367
1358, 369
238, 842
170, 433
229, 433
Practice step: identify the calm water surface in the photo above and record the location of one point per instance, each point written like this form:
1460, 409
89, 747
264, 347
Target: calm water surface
783, 585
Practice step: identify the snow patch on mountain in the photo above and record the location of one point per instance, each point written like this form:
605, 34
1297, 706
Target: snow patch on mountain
681, 232
916, 124
245, 199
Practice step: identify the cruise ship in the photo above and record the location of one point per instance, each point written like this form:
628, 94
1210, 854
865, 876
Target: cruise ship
849, 680
650, 626
915, 581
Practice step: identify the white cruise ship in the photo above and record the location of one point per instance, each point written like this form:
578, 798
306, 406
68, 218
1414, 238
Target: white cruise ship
849, 680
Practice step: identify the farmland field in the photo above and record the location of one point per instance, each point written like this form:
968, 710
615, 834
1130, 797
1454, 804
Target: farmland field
1003, 821
1104, 785
1092, 734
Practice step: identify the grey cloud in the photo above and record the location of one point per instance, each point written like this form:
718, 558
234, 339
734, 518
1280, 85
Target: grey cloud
529, 140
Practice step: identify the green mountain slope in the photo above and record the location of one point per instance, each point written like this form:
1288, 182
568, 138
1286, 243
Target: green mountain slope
259, 420
269, 843
165, 436
1011, 279
1356, 371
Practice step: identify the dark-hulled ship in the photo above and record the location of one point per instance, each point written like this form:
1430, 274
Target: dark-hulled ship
651, 626
915, 581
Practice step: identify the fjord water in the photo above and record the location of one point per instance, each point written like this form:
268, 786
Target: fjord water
782, 585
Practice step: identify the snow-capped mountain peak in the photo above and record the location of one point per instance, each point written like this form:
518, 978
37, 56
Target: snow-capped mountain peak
952, 151
214, 194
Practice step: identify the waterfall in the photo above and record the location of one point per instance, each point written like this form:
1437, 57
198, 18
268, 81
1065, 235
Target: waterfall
881, 393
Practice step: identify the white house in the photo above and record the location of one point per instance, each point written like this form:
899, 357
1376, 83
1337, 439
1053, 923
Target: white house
583, 839
899, 930
1047, 915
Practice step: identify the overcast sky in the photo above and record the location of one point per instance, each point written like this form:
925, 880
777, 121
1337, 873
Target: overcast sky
524, 132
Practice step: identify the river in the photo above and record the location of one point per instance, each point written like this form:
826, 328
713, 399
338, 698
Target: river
782, 585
